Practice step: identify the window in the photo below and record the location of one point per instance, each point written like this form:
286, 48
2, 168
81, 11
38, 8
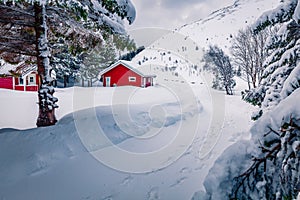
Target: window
31, 80
21, 81
132, 79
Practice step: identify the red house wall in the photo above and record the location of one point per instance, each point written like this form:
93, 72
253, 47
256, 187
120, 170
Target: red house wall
31, 88
120, 76
28, 87
6, 82
19, 87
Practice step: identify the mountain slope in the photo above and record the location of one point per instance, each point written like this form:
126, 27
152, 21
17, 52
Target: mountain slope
220, 26
187, 44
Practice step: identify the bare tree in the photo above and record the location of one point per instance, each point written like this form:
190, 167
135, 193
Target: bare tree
249, 53
222, 68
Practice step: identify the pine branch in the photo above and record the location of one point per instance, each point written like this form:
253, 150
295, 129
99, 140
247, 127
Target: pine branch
18, 22
17, 50
16, 40
6, 9
271, 131
244, 179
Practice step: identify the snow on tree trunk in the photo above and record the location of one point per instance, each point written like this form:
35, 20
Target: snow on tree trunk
46, 100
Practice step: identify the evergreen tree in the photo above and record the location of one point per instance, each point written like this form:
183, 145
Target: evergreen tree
129, 56
97, 60
73, 20
283, 58
275, 169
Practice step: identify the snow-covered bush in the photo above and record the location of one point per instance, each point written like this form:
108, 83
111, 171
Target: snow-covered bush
268, 165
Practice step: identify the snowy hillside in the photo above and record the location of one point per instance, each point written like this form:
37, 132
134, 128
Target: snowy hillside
219, 27
187, 44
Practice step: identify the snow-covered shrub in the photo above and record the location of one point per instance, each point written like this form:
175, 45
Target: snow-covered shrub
268, 165
274, 173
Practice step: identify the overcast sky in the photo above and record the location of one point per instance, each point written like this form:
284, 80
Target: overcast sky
171, 14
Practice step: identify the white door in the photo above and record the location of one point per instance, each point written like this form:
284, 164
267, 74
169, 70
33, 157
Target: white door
144, 82
107, 81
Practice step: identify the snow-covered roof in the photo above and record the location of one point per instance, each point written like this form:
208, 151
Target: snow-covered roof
128, 65
22, 68
5, 68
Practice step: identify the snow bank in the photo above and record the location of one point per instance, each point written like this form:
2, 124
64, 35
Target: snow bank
232, 162
52, 162
288, 108
237, 158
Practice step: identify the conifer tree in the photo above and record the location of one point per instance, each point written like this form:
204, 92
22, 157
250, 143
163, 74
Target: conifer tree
70, 19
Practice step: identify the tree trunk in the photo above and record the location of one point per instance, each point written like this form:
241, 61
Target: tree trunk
248, 80
65, 81
227, 91
46, 100
254, 80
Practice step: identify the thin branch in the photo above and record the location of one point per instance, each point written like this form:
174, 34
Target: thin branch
272, 131
14, 39
18, 50
4, 7
18, 22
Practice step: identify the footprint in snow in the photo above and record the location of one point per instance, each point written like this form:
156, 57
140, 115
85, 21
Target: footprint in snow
108, 198
153, 194
38, 165
127, 180
187, 153
200, 168
183, 170
69, 151
179, 181
235, 137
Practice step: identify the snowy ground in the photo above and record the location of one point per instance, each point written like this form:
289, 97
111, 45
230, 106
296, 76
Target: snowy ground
165, 136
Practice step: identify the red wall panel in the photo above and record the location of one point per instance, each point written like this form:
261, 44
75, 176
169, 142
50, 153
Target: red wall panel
32, 88
120, 76
6, 82
19, 87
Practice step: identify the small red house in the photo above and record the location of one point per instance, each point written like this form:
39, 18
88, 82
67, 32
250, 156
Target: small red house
122, 73
22, 77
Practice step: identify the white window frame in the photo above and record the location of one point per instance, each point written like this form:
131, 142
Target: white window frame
34, 79
132, 79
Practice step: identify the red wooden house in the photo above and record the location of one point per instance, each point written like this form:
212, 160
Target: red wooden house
122, 73
22, 77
